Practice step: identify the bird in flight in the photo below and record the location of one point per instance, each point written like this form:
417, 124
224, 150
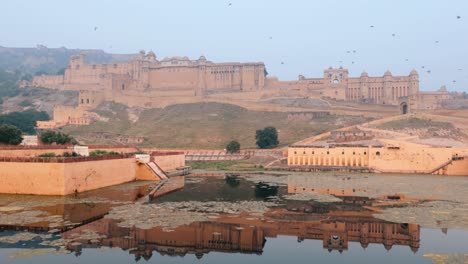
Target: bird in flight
95, 28
393, 34
230, 4
282, 62
458, 17
372, 26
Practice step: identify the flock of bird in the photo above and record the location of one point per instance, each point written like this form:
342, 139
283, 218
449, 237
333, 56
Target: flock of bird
428, 71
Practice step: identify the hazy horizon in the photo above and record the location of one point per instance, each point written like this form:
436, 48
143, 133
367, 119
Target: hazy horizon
291, 38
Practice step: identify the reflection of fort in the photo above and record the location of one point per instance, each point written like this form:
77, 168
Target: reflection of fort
239, 235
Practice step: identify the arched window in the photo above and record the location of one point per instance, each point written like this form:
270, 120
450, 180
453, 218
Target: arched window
123, 86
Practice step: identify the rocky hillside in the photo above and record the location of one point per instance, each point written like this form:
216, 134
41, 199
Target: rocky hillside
15, 99
200, 125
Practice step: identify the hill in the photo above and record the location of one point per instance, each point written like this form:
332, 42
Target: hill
50, 60
200, 125
15, 99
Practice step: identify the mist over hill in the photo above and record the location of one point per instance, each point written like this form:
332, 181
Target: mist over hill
42, 59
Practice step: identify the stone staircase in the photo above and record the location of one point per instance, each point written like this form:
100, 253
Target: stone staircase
157, 170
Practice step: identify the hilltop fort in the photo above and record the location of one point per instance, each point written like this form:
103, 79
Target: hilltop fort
148, 82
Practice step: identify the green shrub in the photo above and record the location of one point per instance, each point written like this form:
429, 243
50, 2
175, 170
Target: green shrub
49, 137
99, 152
68, 154
10, 135
267, 137
233, 146
47, 155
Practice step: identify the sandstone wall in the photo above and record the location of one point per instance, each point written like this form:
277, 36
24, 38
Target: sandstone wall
405, 158
52, 178
458, 167
168, 162
85, 176
32, 178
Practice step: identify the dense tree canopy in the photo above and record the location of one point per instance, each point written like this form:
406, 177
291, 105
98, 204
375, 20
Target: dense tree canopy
8, 85
25, 121
50, 137
233, 146
10, 135
267, 137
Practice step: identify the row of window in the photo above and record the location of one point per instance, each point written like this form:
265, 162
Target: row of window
342, 153
224, 72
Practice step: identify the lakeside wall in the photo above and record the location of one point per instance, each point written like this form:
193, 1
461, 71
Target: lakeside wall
169, 161
402, 157
58, 176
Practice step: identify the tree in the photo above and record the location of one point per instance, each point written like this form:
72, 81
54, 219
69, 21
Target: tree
26, 120
10, 135
233, 146
267, 137
49, 137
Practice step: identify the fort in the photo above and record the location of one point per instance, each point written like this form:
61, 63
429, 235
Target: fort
148, 82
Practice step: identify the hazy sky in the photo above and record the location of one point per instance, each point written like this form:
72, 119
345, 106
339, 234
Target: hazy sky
308, 36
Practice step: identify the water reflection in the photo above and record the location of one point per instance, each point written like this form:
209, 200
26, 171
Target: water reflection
247, 237
265, 190
335, 224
